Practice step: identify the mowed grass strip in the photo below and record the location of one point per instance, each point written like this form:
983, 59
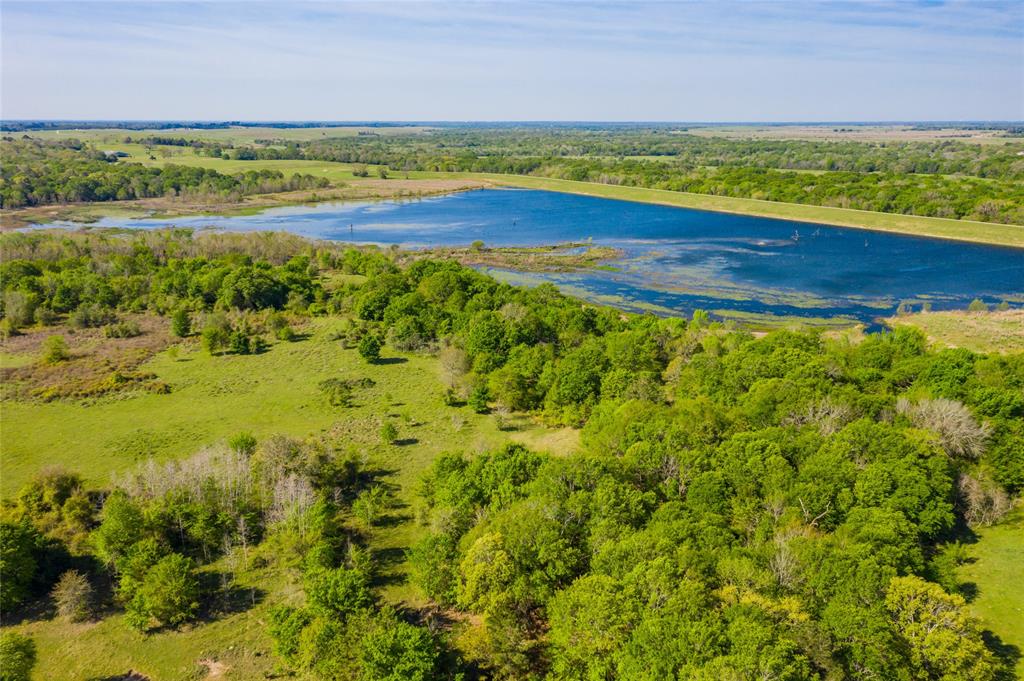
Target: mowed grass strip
942, 228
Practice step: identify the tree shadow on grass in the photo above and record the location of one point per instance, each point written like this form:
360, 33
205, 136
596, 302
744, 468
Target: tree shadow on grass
393, 519
405, 442
1009, 655
387, 560
391, 360
226, 599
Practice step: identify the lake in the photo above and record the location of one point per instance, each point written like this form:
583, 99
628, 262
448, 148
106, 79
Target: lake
675, 259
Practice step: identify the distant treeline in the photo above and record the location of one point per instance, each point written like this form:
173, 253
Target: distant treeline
39, 173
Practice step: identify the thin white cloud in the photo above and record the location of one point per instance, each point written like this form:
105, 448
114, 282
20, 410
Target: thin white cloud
532, 60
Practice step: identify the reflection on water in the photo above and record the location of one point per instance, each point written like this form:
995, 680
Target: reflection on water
675, 259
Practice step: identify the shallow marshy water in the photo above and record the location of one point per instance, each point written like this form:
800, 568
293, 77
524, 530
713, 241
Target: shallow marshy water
676, 259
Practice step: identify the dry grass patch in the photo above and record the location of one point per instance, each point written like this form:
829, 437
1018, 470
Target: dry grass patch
1000, 331
97, 365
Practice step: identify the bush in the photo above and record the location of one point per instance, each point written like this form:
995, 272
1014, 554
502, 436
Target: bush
243, 443
181, 323
215, 338
18, 563
128, 329
55, 350
388, 433
169, 594
369, 348
92, 316
977, 305
73, 596
44, 316
17, 657
478, 399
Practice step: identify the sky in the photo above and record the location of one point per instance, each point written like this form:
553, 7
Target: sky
787, 60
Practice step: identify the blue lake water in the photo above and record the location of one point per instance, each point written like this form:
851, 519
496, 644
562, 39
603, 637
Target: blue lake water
676, 259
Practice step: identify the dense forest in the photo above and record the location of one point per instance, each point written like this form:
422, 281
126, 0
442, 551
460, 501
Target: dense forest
785, 507
39, 173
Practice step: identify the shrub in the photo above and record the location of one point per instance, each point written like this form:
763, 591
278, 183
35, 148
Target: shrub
388, 433
181, 323
338, 392
977, 305
92, 316
169, 593
73, 596
214, 339
17, 657
55, 350
44, 316
128, 329
478, 399
369, 348
17, 562
370, 504
243, 443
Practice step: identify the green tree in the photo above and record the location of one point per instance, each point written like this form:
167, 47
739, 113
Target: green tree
55, 350
388, 433
17, 657
393, 650
369, 348
944, 640
18, 542
122, 524
168, 594
181, 323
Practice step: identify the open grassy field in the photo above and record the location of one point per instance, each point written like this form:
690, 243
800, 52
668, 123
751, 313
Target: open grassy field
977, 331
211, 399
997, 572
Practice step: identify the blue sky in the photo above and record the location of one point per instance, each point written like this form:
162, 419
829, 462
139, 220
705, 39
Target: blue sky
679, 61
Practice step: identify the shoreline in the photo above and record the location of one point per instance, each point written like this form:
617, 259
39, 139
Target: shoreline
995, 234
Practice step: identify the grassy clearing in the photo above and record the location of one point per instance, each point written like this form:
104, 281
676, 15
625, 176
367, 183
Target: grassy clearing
213, 398
960, 230
976, 331
997, 572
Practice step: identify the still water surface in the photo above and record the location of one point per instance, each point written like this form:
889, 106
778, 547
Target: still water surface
675, 259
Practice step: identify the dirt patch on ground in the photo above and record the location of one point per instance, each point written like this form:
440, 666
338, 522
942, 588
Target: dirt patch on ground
98, 365
214, 669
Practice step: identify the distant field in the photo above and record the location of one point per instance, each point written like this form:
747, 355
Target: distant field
234, 135
976, 331
854, 133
